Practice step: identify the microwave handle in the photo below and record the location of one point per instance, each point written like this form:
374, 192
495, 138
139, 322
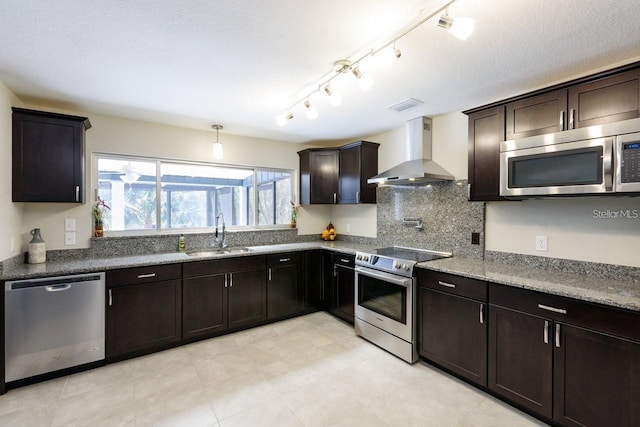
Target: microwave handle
607, 164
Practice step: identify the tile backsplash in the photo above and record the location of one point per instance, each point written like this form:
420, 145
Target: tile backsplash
448, 218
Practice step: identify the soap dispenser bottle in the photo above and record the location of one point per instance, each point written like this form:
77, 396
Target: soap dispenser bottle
182, 244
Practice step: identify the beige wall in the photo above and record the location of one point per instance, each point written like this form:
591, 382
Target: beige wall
11, 218
122, 136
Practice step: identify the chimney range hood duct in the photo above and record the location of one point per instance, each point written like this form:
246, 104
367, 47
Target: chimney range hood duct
419, 169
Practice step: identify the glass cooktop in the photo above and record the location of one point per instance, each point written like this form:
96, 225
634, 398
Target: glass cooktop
410, 254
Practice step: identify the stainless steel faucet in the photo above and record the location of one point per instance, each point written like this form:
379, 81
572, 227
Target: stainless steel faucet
221, 242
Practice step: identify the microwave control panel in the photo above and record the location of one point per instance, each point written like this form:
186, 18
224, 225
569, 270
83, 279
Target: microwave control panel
630, 162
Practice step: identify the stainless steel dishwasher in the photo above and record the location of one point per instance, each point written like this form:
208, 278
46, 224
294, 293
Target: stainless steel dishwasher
53, 323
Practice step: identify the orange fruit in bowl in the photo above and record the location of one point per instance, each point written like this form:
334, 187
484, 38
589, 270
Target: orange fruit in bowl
325, 234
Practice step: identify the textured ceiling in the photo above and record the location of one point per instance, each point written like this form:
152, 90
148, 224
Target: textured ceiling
240, 63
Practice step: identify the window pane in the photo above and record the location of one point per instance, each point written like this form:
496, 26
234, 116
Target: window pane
129, 188
274, 197
193, 195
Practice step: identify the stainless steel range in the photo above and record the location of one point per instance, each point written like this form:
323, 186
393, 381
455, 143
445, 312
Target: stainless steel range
385, 311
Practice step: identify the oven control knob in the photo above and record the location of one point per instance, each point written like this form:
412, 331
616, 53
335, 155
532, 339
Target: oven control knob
406, 267
397, 265
366, 258
359, 257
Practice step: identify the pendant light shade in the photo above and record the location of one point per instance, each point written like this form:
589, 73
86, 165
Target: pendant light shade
217, 146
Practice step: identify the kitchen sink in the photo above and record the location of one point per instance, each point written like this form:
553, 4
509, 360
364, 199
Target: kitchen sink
216, 251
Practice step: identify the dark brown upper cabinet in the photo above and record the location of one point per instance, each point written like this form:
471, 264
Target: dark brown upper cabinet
486, 131
48, 157
605, 100
358, 163
338, 175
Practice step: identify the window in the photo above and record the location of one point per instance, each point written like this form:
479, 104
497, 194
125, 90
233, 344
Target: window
190, 195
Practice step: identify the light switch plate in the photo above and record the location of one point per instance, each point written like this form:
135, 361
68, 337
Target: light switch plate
70, 238
69, 224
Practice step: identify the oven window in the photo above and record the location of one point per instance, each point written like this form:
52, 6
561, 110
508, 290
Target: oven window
572, 167
384, 298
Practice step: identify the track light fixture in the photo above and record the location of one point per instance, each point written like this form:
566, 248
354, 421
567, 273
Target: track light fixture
217, 146
385, 54
460, 27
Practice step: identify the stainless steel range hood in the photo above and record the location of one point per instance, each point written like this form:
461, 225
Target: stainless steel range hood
419, 169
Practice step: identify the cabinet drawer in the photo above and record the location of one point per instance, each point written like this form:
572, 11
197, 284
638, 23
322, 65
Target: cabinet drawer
456, 285
346, 260
289, 258
226, 265
609, 320
153, 273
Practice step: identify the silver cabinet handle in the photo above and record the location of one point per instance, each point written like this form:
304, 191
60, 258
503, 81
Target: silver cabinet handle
231, 280
447, 285
335, 197
110, 298
558, 335
546, 332
269, 274
481, 313
571, 118
335, 270
561, 120
77, 193
146, 276
555, 310
469, 191
226, 278
357, 197
285, 259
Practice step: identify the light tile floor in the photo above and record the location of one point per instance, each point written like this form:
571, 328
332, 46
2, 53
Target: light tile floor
307, 371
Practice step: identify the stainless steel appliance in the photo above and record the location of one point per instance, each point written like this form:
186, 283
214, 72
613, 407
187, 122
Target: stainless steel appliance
53, 323
385, 298
603, 159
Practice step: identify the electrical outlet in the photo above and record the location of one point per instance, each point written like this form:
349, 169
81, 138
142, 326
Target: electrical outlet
69, 224
475, 238
70, 238
542, 243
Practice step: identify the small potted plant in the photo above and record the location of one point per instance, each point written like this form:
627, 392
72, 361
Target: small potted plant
294, 215
98, 217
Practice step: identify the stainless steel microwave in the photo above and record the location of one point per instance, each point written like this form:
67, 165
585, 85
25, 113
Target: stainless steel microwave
603, 159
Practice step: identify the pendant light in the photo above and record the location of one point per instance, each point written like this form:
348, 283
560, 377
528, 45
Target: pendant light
217, 146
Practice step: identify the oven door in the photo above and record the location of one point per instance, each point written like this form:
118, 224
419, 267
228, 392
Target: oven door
385, 301
579, 167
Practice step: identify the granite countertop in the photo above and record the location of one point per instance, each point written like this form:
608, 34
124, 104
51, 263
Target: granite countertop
582, 286
91, 265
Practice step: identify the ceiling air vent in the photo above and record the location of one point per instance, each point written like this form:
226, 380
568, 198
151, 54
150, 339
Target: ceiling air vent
405, 105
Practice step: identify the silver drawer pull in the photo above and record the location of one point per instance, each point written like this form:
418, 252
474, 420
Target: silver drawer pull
555, 310
344, 260
546, 332
447, 285
285, 259
146, 276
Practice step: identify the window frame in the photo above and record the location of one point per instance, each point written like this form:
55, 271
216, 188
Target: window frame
158, 161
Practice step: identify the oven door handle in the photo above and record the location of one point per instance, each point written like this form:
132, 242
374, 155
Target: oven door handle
406, 282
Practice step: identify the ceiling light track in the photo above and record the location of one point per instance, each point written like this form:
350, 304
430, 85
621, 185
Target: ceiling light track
459, 27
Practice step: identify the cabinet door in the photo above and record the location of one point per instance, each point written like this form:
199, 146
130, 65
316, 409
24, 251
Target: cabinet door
538, 115
453, 333
606, 100
520, 358
486, 132
143, 317
205, 305
344, 292
349, 178
247, 299
48, 158
315, 269
323, 167
596, 379
282, 291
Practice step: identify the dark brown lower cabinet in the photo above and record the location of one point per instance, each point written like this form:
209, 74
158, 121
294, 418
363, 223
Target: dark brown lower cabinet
284, 281
247, 297
318, 279
205, 305
596, 379
453, 333
143, 317
521, 358
345, 282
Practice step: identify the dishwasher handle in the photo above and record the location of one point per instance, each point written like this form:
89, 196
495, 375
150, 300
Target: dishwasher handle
57, 288
51, 282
